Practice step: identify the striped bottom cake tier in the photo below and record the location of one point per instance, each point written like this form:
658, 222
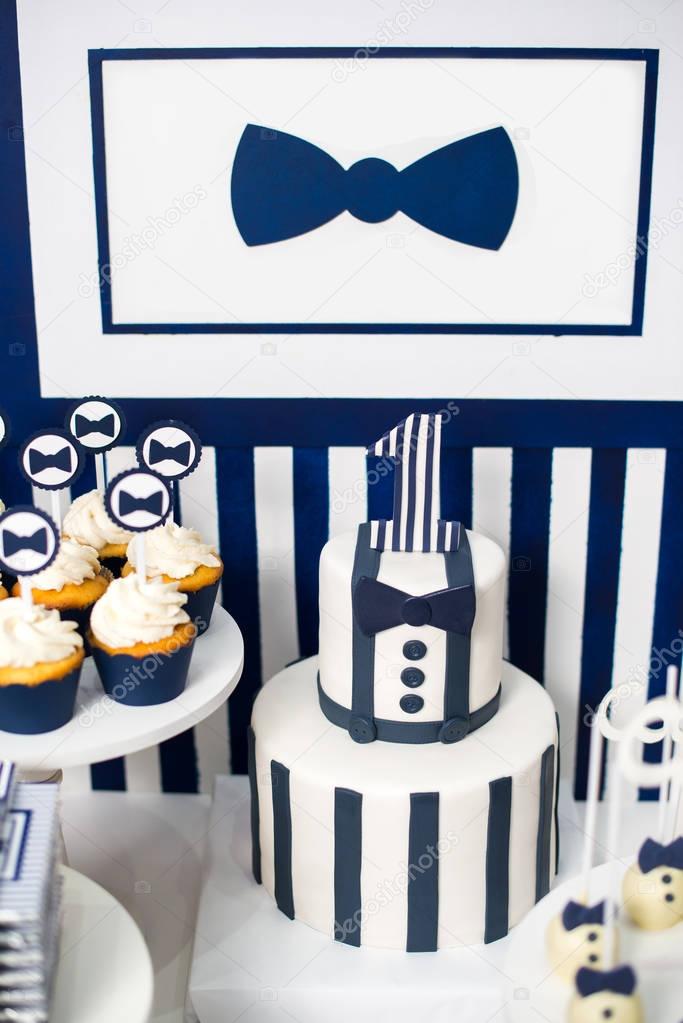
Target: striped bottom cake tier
412, 847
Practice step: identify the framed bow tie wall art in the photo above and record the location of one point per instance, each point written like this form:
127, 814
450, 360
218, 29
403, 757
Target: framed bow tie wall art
402, 149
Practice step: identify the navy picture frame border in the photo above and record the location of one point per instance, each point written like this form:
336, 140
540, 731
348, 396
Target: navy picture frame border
649, 57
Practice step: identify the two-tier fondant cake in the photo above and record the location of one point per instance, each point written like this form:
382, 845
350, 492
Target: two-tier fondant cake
404, 783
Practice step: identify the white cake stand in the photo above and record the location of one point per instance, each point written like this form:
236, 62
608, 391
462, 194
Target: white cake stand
104, 973
655, 956
103, 729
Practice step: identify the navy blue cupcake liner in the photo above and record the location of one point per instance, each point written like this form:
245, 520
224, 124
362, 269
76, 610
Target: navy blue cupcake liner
80, 615
144, 681
200, 604
114, 564
32, 710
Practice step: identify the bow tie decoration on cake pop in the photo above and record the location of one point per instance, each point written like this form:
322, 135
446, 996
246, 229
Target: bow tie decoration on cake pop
620, 981
608, 995
29, 541
413, 450
575, 915
283, 186
51, 460
655, 854
170, 448
96, 423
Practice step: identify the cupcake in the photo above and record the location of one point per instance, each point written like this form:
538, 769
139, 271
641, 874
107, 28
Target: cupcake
177, 554
88, 522
71, 584
142, 640
40, 665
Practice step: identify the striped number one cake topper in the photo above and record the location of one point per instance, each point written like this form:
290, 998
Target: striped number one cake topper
415, 448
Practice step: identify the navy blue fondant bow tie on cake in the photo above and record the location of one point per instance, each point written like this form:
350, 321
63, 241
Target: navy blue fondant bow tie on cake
653, 854
84, 427
154, 504
621, 981
576, 915
36, 542
283, 186
38, 462
159, 452
378, 607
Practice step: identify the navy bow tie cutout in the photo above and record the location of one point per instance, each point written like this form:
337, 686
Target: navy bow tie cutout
159, 452
378, 607
83, 427
653, 854
38, 462
621, 981
36, 542
576, 915
154, 504
283, 186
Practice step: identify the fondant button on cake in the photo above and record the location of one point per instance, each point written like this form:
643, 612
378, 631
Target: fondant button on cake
454, 730
415, 650
412, 677
411, 704
362, 730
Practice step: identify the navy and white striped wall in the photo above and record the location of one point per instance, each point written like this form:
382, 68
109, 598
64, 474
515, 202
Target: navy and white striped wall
590, 521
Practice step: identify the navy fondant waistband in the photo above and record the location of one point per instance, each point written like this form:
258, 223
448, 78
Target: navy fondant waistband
408, 731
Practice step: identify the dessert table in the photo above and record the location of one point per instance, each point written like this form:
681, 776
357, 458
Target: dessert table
102, 728
104, 974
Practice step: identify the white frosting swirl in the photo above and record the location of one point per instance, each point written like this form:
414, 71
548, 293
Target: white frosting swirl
74, 563
174, 551
132, 611
88, 522
34, 636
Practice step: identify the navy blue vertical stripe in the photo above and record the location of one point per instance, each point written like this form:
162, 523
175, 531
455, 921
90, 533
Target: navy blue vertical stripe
14, 488
398, 487
545, 822
282, 838
380, 475
667, 629
178, 761
255, 808
558, 771
529, 528
423, 873
237, 537
456, 485
429, 486
348, 844
498, 860
311, 530
608, 472
411, 466
177, 504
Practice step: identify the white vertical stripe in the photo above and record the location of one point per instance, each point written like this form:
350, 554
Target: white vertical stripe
637, 583
348, 489
405, 455
571, 473
143, 771
76, 779
420, 482
118, 459
436, 484
492, 477
212, 739
275, 536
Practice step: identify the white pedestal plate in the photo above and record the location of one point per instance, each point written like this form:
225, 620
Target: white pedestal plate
104, 973
102, 729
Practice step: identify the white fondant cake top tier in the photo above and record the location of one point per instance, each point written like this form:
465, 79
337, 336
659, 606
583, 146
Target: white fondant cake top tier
421, 676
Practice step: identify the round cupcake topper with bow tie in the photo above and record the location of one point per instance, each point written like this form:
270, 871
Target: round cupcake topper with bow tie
170, 448
138, 500
29, 540
51, 460
96, 423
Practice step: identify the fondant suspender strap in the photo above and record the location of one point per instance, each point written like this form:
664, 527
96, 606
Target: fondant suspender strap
366, 563
459, 572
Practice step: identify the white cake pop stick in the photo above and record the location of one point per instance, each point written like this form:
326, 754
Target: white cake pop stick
615, 791
667, 753
56, 503
27, 595
592, 800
